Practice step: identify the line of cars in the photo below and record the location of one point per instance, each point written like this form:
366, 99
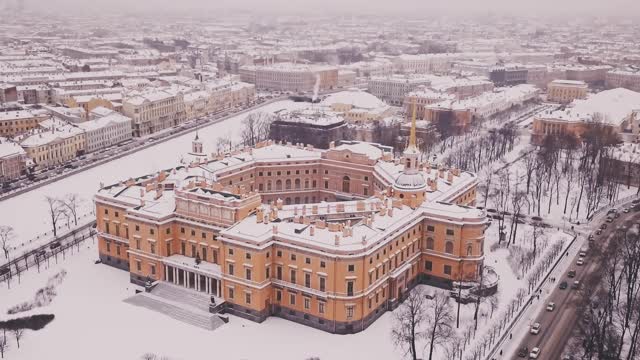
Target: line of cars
536, 327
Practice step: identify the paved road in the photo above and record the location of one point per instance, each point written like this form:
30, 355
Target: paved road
558, 325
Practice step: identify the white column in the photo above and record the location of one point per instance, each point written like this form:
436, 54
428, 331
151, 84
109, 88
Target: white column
166, 273
208, 282
186, 278
175, 275
219, 294
198, 282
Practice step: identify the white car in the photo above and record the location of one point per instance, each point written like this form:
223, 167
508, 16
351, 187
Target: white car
580, 262
535, 352
535, 328
551, 306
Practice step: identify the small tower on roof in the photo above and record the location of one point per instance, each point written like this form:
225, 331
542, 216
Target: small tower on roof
196, 145
410, 185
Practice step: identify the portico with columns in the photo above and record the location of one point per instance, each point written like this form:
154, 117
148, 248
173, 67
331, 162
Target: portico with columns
183, 271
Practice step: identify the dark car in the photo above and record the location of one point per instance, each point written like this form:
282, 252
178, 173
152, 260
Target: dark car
54, 245
563, 285
572, 274
523, 352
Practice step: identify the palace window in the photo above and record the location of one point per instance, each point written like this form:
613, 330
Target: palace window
350, 312
448, 247
292, 299
323, 284
307, 303
247, 273
307, 280
447, 269
428, 265
321, 307
351, 268
247, 298
231, 293
292, 278
230, 269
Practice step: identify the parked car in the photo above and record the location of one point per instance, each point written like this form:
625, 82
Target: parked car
563, 285
535, 328
603, 226
599, 231
523, 352
535, 352
580, 262
626, 210
572, 273
609, 219
54, 245
575, 285
551, 306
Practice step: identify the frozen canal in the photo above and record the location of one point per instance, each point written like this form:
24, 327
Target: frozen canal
28, 212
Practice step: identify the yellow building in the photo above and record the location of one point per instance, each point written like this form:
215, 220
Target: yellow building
55, 143
383, 226
14, 123
565, 91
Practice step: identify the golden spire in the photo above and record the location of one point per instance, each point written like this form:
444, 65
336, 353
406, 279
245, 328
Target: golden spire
412, 134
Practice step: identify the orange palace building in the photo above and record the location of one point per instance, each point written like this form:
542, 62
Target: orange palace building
327, 238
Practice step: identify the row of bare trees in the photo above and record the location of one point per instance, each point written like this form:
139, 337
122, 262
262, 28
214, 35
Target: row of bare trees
609, 326
481, 149
63, 209
422, 324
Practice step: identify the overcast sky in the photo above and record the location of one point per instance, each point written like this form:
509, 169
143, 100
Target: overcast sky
565, 8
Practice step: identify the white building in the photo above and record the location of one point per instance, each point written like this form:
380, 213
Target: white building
106, 131
155, 110
393, 89
12, 160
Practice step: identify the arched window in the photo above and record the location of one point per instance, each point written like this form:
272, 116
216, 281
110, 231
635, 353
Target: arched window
448, 247
306, 183
430, 243
297, 200
278, 184
287, 201
469, 250
346, 184
287, 184
269, 185
297, 184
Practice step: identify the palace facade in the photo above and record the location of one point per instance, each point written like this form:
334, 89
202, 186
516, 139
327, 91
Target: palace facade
328, 238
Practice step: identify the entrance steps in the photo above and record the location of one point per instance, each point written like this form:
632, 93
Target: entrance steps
189, 309
182, 295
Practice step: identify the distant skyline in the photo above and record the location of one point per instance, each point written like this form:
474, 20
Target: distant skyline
565, 8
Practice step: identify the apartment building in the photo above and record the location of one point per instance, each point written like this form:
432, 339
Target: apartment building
393, 89
565, 91
105, 131
18, 122
291, 77
12, 160
155, 110
628, 79
55, 143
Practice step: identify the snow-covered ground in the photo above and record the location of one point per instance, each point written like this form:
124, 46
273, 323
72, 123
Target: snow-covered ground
91, 296
28, 213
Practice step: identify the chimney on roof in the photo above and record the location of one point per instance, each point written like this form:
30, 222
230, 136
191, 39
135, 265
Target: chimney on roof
312, 230
337, 240
274, 229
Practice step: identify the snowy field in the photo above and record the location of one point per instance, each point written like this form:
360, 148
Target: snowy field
28, 213
90, 299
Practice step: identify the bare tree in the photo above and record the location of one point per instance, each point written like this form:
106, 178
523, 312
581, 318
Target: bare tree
56, 211
4, 345
71, 202
18, 333
149, 356
6, 235
255, 128
409, 320
439, 319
